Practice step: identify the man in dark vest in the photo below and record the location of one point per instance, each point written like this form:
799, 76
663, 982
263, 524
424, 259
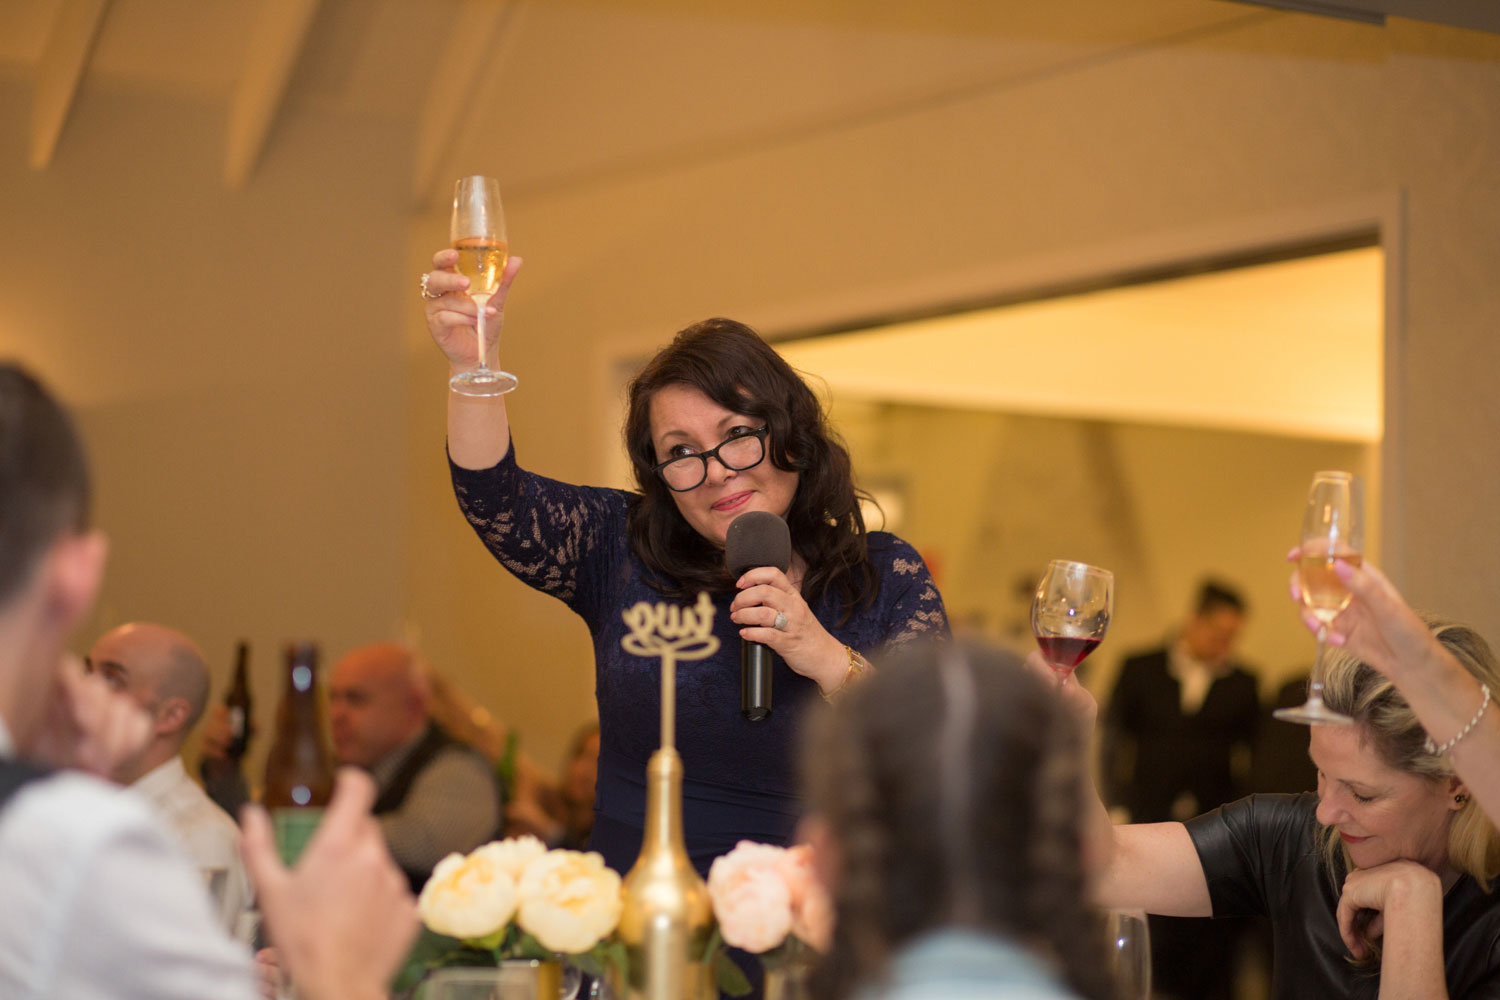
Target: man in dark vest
436, 796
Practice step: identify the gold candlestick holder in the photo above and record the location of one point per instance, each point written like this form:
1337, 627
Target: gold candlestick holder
667, 915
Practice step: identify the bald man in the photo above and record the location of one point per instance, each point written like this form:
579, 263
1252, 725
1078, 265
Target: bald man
437, 795
163, 672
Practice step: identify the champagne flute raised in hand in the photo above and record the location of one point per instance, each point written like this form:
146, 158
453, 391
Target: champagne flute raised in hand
478, 232
1332, 529
1070, 612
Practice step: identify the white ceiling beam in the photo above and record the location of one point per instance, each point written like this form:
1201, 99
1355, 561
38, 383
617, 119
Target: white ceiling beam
275, 42
59, 73
474, 43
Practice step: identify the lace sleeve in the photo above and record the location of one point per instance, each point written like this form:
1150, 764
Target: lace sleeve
913, 608
550, 535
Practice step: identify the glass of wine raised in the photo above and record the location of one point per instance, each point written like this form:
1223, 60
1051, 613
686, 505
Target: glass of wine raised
1332, 529
478, 232
1070, 613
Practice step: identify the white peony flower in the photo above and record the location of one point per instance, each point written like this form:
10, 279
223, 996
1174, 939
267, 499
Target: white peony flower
569, 901
514, 854
469, 897
752, 900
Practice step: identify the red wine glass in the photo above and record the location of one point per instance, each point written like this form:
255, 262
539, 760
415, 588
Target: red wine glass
1070, 612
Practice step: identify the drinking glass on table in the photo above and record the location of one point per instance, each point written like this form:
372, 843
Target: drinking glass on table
478, 233
1332, 528
1070, 613
1129, 949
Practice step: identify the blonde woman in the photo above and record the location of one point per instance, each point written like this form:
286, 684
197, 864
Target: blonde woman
1380, 884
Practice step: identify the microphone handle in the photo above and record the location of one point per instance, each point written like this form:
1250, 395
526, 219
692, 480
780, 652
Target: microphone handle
755, 680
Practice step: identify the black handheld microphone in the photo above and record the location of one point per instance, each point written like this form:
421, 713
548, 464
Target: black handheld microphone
758, 538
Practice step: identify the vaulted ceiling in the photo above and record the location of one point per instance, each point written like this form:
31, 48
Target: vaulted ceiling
564, 92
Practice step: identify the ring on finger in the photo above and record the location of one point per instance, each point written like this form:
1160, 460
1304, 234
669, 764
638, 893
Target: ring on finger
427, 293
780, 623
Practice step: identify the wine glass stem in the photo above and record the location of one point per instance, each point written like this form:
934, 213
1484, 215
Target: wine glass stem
1315, 691
481, 301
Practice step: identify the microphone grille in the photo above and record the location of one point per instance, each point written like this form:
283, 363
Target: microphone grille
757, 538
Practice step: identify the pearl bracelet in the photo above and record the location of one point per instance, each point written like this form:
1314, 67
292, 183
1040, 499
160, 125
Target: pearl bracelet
857, 665
1484, 703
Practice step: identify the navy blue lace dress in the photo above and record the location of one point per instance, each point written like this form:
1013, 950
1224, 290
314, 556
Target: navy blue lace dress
570, 542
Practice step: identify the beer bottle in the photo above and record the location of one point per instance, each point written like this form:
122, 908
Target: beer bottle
238, 703
299, 768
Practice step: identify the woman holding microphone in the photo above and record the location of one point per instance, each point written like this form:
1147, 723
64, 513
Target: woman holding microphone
718, 425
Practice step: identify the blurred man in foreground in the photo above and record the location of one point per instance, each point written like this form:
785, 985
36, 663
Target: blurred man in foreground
98, 901
163, 672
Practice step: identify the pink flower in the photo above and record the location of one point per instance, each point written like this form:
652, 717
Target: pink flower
751, 898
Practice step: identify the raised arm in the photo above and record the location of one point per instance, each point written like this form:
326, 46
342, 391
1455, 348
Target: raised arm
1380, 628
1140, 866
478, 428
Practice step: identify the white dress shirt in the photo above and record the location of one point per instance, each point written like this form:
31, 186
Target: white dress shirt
98, 902
210, 838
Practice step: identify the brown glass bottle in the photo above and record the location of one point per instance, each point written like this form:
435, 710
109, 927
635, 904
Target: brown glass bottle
238, 703
299, 768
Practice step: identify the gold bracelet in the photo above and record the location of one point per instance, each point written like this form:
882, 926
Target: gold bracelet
857, 665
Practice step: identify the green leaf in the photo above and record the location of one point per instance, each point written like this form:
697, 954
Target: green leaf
431, 950
619, 956
728, 976
490, 942
590, 965
715, 942
526, 946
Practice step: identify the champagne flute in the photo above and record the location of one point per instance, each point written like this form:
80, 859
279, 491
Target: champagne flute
478, 233
1070, 613
1130, 952
1332, 528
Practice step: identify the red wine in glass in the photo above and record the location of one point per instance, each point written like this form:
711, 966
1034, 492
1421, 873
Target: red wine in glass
1070, 612
1065, 652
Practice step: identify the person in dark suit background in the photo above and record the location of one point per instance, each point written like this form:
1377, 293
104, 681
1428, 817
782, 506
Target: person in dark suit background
1178, 734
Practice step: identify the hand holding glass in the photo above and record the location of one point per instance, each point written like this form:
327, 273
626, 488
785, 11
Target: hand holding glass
478, 232
1332, 529
1070, 612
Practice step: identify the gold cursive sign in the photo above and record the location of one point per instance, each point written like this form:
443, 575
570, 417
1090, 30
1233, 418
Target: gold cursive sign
673, 633
685, 633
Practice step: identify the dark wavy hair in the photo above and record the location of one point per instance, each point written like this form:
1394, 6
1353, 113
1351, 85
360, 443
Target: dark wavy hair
731, 365
952, 783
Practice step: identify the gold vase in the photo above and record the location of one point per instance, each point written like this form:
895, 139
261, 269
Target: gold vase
667, 914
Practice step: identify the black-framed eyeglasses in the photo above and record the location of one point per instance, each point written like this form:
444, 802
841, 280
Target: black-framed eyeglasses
741, 452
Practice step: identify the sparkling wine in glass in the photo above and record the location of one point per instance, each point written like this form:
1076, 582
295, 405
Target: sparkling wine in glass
1332, 529
478, 232
1070, 612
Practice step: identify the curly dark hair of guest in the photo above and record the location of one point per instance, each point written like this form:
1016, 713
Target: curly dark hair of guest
951, 784
731, 365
